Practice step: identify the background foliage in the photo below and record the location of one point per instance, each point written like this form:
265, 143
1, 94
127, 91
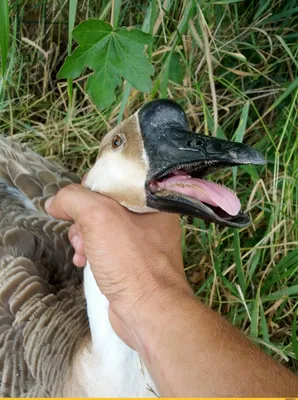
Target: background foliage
232, 65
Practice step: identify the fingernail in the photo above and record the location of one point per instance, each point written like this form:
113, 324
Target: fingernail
74, 240
48, 203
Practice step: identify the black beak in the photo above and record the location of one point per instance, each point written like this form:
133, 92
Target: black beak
176, 147
170, 146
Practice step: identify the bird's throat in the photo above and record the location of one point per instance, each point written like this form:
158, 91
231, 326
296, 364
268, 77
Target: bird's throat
108, 367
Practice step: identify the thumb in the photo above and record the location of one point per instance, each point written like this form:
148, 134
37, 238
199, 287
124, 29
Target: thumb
71, 202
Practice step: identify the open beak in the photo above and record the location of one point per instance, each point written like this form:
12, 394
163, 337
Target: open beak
178, 162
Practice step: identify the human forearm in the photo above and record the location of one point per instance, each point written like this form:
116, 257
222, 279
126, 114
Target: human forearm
192, 352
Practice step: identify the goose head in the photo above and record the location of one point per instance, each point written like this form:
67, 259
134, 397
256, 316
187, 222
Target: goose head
153, 162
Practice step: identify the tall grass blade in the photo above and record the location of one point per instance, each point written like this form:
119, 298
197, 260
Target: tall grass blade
183, 24
264, 326
238, 261
254, 327
239, 134
4, 34
71, 23
147, 27
124, 101
283, 267
286, 47
285, 14
116, 7
294, 335
262, 8
282, 294
210, 122
227, 1
292, 86
105, 11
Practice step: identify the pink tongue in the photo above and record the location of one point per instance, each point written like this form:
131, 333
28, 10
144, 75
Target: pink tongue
205, 191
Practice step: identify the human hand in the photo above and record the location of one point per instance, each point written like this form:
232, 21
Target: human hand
135, 258
136, 261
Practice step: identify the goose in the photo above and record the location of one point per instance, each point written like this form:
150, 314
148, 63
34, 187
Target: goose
55, 335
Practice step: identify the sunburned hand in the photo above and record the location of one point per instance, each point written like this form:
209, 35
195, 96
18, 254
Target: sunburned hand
135, 259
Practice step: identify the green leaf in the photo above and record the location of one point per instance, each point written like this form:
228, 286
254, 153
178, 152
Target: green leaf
111, 54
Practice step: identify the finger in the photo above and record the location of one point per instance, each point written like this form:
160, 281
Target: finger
73, 230
78, 245
76, 239
79, 261
71, 202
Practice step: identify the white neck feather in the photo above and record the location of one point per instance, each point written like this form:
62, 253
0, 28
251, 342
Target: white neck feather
108, 367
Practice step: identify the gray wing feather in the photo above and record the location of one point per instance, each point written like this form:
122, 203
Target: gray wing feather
43, 315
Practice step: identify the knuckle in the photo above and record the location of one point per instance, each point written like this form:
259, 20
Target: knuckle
104, 212
67, 192
70, 189
109, 203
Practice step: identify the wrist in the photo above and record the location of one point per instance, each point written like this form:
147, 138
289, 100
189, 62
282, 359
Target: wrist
152, 323
148, 301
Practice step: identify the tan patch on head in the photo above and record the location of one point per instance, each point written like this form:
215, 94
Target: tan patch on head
134, 141
121, 173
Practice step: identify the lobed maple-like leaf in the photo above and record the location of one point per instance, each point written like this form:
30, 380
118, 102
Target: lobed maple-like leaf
111, 54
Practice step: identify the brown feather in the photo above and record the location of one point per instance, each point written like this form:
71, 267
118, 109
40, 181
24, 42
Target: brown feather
43, 317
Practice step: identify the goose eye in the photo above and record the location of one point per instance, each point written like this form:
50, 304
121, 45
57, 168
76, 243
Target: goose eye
117, 141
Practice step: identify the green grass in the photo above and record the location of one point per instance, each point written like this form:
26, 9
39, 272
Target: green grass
4, 41
232, 65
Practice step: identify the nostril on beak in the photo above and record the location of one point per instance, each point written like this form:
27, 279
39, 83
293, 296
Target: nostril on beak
192, 143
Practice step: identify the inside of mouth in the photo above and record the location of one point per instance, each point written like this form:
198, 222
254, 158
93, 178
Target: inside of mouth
212, 194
